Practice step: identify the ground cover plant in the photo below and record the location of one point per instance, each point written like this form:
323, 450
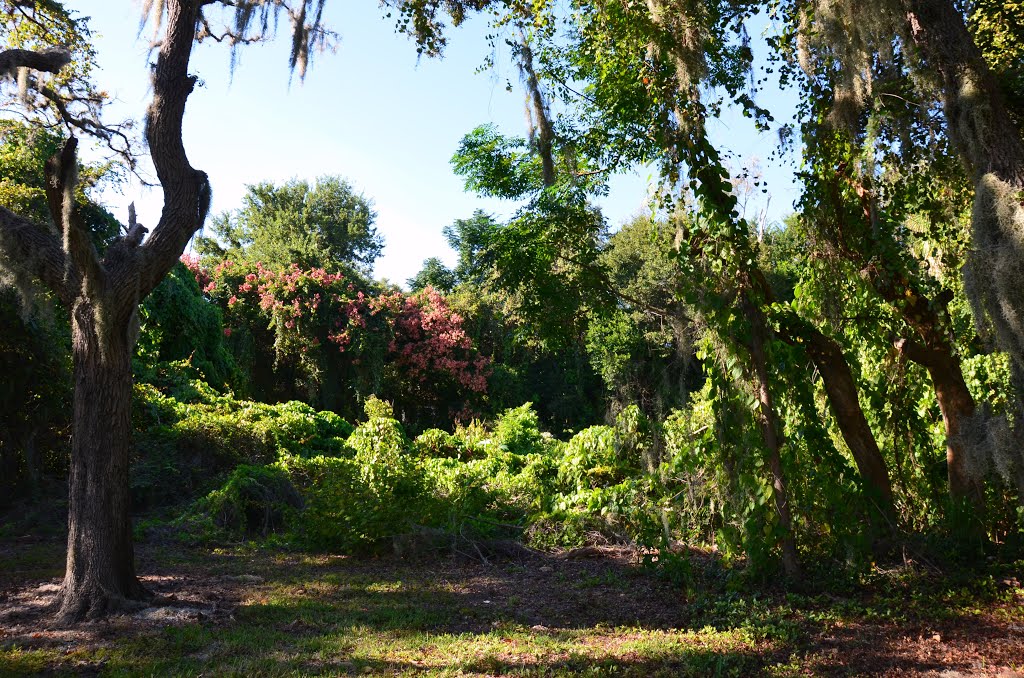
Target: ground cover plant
693, 443
236, 611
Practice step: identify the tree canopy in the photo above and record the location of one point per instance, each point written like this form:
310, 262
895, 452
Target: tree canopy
806, 396
326, 224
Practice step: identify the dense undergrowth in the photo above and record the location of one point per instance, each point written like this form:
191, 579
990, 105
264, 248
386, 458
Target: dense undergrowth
212, 469
297, 477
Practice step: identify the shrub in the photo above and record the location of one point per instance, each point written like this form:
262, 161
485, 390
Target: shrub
186, 444
437, 443
350, 507
517, 430
255, 500
588, 460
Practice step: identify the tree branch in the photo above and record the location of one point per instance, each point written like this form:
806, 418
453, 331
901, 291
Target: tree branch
94, 128
186, 190
61, 170
918, 353
31, 248
49, 60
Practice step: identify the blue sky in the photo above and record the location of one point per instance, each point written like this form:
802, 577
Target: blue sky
371, 112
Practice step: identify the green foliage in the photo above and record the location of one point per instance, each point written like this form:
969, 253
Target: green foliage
35, 396
255, 501
999, 35
589, 459
351, 505
517, 430
433, 274
177, 323
327, 225
189, 435
437, 443
497, 166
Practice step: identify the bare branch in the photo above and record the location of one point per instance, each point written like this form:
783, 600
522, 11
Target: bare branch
50, 60
136, 231
109, 134
61, 173
184, 187
206, 32
34, 250
87, 121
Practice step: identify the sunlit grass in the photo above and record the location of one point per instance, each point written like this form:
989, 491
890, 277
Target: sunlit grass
298, 615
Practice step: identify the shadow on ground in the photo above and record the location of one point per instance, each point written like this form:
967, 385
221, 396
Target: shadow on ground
239, 612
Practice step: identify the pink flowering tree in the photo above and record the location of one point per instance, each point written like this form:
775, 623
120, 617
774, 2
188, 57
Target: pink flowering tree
330, 341
434, 366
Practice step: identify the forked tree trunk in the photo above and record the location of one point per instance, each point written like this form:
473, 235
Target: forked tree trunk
100, 576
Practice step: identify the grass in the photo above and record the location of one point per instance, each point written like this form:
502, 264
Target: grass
269, 613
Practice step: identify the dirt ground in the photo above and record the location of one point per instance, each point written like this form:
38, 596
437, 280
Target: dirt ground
534, 608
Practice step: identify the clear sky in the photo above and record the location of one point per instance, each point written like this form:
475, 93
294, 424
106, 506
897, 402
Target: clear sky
372, 112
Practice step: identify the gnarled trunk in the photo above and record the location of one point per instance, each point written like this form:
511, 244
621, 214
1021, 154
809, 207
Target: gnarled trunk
100, 576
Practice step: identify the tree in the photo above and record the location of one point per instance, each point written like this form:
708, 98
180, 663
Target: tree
36, 358
644, 346
102, 292
433, 274
934, 45
325, 225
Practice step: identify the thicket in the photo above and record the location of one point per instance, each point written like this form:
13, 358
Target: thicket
815, 391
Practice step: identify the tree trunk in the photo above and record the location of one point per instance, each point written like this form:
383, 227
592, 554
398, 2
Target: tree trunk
845, 405
992, 150
957, 405
103, 297
100, 576
936, 353
769, 429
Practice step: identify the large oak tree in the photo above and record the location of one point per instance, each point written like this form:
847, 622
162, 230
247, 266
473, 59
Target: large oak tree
102, 292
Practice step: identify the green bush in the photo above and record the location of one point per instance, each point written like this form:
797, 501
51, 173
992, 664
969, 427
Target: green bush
517, 430
437, 443
189, 436
255, 500
589, 459
350, 507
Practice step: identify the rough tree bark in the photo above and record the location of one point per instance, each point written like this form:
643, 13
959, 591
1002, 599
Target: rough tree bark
102, 296
991, 148
100, 575
852, 239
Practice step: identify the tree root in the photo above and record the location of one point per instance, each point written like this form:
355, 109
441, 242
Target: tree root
94, 601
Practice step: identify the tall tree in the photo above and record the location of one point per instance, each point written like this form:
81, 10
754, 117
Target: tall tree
102, 292
326, 224
934, 44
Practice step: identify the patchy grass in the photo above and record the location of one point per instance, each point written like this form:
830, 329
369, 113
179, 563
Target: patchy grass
244, 612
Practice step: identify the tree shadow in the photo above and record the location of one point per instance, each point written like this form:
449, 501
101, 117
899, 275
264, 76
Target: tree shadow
258, 612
